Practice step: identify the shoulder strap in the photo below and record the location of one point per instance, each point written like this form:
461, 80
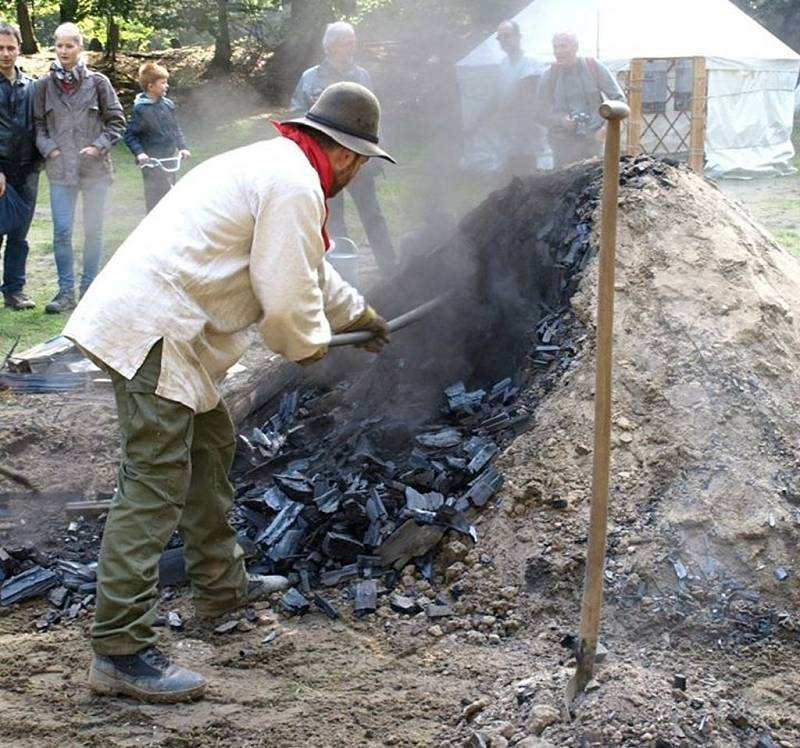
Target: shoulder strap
591, 66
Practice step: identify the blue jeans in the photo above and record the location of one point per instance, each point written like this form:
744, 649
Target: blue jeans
16, 252
63, 199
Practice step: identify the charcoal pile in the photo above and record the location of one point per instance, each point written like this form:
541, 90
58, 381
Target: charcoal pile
346, 500
26, 572
333, 496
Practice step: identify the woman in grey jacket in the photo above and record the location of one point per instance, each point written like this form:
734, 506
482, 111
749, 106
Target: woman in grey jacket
78, 118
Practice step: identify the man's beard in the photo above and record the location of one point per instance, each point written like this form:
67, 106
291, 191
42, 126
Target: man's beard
342, 178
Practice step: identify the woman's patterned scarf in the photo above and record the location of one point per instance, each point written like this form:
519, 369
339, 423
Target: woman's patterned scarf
70, 78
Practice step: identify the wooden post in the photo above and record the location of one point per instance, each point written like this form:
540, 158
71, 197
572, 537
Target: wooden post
614, 112
697, 133
635, 88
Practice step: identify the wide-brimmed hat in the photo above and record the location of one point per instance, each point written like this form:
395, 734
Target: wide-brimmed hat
350, 114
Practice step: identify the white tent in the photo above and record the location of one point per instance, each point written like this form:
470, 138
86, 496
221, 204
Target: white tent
751, 74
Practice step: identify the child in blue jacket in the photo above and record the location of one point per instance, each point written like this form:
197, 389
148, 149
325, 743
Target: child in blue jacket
153, 131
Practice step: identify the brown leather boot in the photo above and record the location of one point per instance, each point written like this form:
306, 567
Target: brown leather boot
18, 301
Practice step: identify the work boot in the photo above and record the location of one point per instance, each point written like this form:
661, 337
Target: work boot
17, 301
259, 587
147, 675
64, 301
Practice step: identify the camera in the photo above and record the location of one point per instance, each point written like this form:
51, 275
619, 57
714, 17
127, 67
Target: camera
582, 121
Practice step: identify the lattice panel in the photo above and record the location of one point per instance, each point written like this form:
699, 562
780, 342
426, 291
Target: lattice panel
668, 100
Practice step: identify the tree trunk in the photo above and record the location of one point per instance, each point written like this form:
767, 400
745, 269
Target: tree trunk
112, 39
68, 11
302, 45
29, 45
221, 62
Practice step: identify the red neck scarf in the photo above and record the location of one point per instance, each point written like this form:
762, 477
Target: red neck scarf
318, 159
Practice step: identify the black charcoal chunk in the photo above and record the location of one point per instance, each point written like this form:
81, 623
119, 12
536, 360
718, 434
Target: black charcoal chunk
58, 596
484, 487
227, 627
325, 606
438, 611
276, 499
376, 509
341, 547
781, 574
328, 502
282, 522
404, 604
333, 577
294, 602
426, 502
480, 458
408, 541
453, 519
424, 565
444, 439
288, 545
31, 583
365, 598
295, 485
172, 568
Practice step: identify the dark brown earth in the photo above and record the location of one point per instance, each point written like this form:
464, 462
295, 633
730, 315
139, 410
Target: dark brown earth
705, 470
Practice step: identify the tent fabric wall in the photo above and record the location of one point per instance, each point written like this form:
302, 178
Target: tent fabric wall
751, 74
750, 119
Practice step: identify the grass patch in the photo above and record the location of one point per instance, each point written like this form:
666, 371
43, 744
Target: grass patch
789, 239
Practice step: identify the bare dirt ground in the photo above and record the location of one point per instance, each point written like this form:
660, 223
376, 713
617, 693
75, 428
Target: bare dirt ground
705, 506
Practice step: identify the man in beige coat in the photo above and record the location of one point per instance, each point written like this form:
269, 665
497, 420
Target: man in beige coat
240, 241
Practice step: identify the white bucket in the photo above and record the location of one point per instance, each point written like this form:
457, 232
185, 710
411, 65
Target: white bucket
343, 255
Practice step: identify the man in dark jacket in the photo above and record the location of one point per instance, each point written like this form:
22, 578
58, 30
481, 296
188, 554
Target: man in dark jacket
153, 132
20, 162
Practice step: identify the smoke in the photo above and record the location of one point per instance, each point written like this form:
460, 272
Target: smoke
500, 269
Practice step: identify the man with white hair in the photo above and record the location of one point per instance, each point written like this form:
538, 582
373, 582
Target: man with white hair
570, 94
339, 45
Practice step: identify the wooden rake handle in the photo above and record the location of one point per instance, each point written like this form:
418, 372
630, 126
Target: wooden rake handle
614, 112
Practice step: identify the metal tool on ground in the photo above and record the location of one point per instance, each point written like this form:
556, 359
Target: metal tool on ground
398, 323
170, 165
613, 112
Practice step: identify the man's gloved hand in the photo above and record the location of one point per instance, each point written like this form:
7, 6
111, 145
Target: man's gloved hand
314, 357
370, 321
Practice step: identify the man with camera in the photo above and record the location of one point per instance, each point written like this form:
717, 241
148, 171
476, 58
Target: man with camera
570, 93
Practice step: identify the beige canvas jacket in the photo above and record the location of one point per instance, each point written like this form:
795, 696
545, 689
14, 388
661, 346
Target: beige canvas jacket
236, 243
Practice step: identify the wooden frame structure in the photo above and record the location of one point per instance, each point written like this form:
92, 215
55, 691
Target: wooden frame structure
679, 132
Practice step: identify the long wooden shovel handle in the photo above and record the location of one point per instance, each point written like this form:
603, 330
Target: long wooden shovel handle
614, 112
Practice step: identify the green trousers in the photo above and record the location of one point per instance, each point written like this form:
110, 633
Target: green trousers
173, 474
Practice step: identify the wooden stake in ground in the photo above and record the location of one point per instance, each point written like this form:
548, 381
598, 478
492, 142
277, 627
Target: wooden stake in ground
614, 112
